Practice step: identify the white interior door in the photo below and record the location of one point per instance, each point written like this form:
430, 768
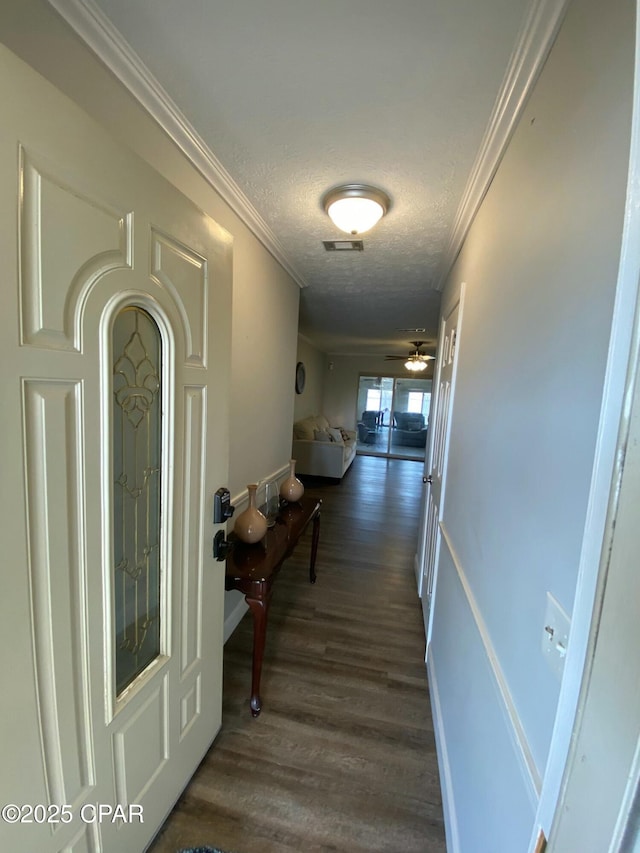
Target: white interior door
435, 464
591, 814
114, 360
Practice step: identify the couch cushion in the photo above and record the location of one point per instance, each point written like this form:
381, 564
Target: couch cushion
304, 429
321, 435
409, 421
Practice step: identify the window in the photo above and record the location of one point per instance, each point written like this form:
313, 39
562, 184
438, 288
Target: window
419, 403
373, 400
137, 427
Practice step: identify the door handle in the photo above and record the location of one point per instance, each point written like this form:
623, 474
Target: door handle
428, 480
221, 546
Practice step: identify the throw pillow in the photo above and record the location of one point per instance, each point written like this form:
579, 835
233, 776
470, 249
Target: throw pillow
335, 434
321, 435
303, 430
345, 434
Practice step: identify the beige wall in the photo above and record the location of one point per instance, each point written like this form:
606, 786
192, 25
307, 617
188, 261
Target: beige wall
310, 402
265, 298
341, 386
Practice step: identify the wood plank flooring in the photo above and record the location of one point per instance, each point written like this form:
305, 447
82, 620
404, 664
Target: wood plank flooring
342, 757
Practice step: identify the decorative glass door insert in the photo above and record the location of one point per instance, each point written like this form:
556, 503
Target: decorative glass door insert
137, 434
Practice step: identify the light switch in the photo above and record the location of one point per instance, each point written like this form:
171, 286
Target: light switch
555, 635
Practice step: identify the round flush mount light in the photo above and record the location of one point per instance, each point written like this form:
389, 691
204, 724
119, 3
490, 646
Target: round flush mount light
355, 208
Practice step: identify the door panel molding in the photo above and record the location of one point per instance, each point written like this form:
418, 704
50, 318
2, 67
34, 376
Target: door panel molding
57, 578
195, 408
54, 286
149, 725
185, 275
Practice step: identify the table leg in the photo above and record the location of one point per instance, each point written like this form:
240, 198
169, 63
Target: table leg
259, 610
315, 538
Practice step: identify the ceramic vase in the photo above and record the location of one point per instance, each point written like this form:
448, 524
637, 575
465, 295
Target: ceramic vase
251, 525
291, 489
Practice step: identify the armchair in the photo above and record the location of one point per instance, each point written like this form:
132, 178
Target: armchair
370, 418
410, 430
366, 435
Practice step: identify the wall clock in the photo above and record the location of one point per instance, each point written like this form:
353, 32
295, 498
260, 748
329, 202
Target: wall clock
300, 377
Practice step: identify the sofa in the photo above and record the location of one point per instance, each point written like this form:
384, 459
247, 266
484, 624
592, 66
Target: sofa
409, 430
321, 450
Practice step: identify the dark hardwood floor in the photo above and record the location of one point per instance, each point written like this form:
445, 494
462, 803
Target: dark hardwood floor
342, 757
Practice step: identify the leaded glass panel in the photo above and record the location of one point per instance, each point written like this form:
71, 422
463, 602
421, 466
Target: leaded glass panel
137, 432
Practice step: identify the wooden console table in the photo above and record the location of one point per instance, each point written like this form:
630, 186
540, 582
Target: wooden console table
252, 569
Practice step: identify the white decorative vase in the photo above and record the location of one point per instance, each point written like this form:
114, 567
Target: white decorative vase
291, 489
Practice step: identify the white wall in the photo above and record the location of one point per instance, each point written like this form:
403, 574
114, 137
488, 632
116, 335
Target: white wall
540, 263
265, 298
341, 386
310, 402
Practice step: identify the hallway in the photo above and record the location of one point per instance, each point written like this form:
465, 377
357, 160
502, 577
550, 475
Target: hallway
342, 757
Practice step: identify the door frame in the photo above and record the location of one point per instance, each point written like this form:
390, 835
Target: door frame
614, 411
611, 670
420, 558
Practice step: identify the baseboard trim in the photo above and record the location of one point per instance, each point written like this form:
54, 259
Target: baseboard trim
234, 618
446, 782
516, 729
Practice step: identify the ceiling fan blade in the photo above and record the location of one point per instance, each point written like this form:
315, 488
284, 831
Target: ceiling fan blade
415, 355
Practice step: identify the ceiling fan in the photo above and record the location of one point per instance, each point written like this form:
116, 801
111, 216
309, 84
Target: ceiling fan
416, 361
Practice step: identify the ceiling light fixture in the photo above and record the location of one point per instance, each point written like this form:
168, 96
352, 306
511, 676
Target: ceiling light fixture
415, 363
355, 208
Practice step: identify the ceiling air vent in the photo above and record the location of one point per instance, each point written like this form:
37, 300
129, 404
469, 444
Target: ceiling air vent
343, 245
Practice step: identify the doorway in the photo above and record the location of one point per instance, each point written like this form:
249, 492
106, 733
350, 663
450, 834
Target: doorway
392, 416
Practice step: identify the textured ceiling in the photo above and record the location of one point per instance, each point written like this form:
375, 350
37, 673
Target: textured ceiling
297, 96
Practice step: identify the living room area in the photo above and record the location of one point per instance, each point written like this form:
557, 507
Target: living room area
385, 411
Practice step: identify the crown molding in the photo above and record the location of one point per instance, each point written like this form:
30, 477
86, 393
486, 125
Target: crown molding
96, 30
534, 43
307, 340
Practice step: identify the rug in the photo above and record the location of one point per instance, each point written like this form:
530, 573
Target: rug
201, 850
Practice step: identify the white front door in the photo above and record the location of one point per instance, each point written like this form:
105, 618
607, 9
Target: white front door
114, 343
436, 461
